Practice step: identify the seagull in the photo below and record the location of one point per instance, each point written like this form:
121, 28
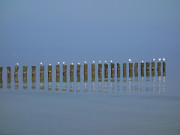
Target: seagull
85, 62
71, 63
93, 61
40, 63
63, 62
17, 64
164, 59
159, 59
129, 60
142, 61
99, 61
78, 63
49, 64
105, 61
153, 59
111, 61
58, 63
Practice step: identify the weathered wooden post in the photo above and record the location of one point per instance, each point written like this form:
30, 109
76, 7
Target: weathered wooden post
164, 67
85, 72
159, 67
142, 69
58, 73
8, 77
153, 68
64, 72
41, 70
33, 77
16, 68
118, 70
130, 68
93, 71
1, 71
112, 71
99, 71
25, 77
147, 69
71, 72
1, 80
78, 72
124, 70
105, 71
136, 69
49, 73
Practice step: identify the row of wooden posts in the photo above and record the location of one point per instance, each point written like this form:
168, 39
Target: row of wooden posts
112, 65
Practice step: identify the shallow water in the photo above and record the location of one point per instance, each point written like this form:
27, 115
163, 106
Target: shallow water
130, 105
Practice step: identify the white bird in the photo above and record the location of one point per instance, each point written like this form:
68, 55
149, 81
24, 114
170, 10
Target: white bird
111, 61
71, 63
85, 62
159, 59
105, 61
49, 64
78, 63
164, 59
63, 62
153, 59
99, 61
93, 61
58, 63
129, 60
17, 64
40, 63
142, 61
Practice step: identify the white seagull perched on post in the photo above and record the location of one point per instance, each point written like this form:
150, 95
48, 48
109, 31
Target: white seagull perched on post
105, 61
49, 64
63, 62
153, 59
85, 62
130, 60
78, 63
159, 59
164, 59
142, 61
58, 63
93, 61
17, 64
111, 61
71, 63
40, 63
99, 61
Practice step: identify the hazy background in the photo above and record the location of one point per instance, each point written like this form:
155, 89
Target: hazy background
76, 30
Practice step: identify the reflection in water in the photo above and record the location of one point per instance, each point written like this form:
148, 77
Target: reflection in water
1, 82
16, 82
78, 87
93, 86
41, 82
99, 86
71, 87
85, 87
24, 82
57, 86
64, 86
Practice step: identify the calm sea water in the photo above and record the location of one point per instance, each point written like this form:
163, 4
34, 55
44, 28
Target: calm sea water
130, 105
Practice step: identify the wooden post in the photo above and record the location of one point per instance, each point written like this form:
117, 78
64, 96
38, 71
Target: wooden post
33, 74
142, 69
8, 77
9, 71
24, 71
78, 72
130, 69
64, 72
85, 72
1, 81
118, 70
71, 72
16, 68
153, 69
57, 73
112, 71
49, 73
136, 69
147, 69
159, 68
41, 70
99, 72
93, 71
124, 70
105, 71
164, 68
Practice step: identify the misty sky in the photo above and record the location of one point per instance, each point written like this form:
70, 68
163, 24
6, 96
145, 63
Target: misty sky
76, 30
